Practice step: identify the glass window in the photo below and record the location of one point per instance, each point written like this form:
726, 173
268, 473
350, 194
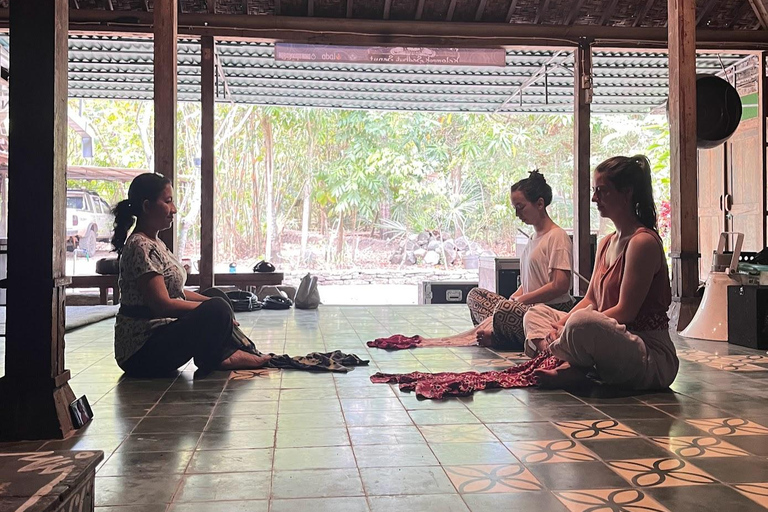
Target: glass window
76, 202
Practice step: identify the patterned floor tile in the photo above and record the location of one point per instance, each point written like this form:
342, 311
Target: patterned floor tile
595, 429
703, 498
731, 365
660, 472
757, 492
559, 450
729, 427
457, 434
614, 500
492, 478
264, 373
699, 447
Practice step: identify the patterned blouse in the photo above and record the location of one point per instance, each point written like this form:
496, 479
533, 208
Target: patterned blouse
142, 255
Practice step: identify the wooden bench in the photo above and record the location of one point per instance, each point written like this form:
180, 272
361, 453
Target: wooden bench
102, 282
243, 281
48, 481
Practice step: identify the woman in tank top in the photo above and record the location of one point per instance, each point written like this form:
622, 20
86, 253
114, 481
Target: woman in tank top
620, 329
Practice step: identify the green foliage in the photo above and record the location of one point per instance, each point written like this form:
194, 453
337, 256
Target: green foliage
367, 170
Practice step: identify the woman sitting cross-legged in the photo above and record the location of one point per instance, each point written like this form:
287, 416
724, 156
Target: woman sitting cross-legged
545, 271
620, 329
160, 326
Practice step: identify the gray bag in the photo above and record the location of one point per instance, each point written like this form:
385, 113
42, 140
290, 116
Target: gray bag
307, 296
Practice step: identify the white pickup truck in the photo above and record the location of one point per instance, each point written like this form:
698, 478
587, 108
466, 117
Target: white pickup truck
89, 219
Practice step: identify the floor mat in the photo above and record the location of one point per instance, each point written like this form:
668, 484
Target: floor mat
77, 316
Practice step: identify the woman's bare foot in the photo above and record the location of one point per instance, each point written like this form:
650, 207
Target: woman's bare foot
564, 376
484, 338
242, 360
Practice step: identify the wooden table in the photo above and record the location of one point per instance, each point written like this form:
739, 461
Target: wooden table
241, 280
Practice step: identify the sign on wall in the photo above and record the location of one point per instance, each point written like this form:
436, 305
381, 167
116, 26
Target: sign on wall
391, 55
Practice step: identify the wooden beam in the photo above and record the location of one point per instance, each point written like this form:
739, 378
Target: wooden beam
108, 5
480, 10
297, 29
34, 393
608, 12
761, 11
387, 8
704, 12
683, 159
736, 14
541, 11
211, 6
419, 10
643, 13
310, 8
165, 64
574, 12
511, 10
207, 163
451, 10
582, 94
350, 7
762, 112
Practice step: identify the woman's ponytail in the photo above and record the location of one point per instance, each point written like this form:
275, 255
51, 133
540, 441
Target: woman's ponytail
124, 219
642, 196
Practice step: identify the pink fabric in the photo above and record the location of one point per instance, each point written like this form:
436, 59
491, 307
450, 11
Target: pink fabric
396, 342
439, 385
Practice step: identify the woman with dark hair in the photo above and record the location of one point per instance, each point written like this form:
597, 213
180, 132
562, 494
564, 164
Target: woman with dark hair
545, 271
620, 329
160, 326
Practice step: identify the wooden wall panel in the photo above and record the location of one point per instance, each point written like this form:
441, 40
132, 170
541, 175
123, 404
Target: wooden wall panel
711, 216
745, 184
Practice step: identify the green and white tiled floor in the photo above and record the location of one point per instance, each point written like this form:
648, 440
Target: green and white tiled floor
289, 441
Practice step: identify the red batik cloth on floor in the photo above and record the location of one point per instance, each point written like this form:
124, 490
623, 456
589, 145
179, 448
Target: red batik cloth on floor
396, 342
400, 342
439, 385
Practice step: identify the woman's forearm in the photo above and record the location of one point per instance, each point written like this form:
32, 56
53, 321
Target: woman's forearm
543, 294
174, 308
194, 296
620, 315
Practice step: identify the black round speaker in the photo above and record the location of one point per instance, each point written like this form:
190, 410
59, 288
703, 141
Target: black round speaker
718, 111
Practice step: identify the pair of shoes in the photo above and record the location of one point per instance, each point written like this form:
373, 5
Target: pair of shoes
264, 266
277, 302
243, 301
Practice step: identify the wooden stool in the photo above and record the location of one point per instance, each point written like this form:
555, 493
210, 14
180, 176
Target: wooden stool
48, 481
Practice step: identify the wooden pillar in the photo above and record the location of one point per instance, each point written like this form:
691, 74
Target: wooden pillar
34, 393
582, 98
165, 64
207, 90
762, 60
683, 165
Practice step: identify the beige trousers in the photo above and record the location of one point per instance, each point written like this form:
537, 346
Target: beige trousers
642, 360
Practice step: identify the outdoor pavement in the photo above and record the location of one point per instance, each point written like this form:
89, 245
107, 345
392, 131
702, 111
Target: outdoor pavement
290, 441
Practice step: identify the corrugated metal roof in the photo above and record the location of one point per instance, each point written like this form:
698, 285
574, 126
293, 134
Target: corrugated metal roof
626, 82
